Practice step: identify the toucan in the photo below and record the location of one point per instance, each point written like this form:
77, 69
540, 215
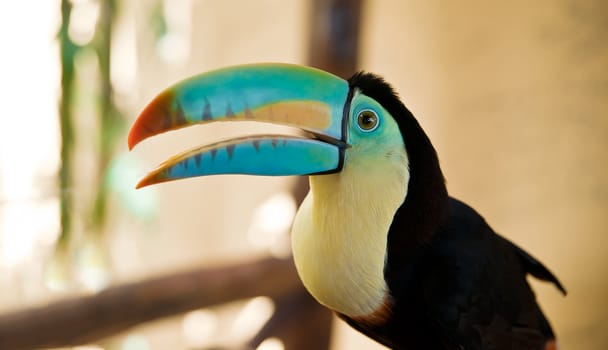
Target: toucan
378, 240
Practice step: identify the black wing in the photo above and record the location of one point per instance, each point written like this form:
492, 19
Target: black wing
537, 269
482, 299
466, 289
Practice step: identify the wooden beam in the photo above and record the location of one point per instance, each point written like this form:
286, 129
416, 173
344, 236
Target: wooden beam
334, 39
86, 319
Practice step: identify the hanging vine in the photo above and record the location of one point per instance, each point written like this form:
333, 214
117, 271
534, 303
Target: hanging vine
110, 122
68, 50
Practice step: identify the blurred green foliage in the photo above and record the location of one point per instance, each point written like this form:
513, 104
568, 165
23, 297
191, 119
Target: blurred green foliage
110, 121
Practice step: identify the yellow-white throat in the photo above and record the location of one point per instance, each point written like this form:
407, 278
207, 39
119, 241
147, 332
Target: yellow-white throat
339, 235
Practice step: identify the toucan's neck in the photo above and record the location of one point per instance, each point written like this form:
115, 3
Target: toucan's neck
339, 236
424, 210
359, 227
426, 204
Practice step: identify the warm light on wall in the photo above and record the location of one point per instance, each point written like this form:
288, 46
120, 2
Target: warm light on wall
174, 45
29, 136
199, 326
271, 344
269, 227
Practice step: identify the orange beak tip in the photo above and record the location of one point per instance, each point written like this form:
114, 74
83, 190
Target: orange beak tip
146, 181
134, 138
130, 144
153, 178
154, 119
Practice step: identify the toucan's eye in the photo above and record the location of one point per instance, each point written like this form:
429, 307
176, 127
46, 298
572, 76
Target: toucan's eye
367, 120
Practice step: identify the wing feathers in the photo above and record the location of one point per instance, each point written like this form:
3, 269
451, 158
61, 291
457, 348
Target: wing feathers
537, 269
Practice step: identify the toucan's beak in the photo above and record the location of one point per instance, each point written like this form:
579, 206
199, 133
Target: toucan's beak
306, 98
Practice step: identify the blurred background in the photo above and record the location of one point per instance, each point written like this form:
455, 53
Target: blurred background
514, 96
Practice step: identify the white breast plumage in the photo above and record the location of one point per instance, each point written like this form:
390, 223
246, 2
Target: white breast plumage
340, 232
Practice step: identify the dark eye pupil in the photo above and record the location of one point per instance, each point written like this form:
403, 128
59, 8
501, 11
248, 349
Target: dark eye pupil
367, 120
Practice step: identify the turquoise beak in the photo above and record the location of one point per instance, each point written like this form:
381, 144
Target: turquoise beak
310, 99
